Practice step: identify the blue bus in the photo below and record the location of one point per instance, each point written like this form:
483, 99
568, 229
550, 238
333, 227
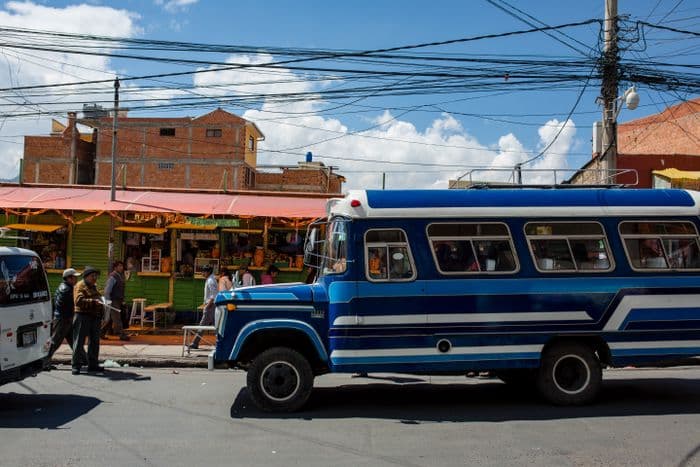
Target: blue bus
544, 287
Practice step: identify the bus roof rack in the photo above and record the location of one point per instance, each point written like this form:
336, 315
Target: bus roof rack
539, 178
487, 185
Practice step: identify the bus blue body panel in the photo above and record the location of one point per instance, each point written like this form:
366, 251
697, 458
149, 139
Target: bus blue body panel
490, 321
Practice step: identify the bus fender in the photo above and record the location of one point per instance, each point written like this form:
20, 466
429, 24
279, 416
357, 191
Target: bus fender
278, 324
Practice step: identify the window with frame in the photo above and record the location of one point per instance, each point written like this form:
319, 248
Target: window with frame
167, 132
251, 143
568, 246
661, 245
335, 248
388, 256
214, 133
465, 248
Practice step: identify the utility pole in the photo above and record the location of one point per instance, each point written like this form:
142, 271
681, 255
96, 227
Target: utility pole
609, 90
115, 114
113, 195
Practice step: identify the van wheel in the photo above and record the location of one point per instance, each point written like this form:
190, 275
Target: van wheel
570, 374
280, 380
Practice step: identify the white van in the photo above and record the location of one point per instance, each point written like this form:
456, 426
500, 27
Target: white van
25, 315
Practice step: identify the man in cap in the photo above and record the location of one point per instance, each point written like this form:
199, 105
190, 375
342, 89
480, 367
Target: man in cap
63, 311
211, 288
88, 317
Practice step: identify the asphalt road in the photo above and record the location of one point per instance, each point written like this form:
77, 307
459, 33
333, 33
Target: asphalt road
166, 417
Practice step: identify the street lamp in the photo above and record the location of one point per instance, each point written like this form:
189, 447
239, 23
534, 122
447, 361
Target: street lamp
609, 139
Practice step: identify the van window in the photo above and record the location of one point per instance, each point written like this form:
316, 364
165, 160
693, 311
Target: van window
568, 246
22, 280
661, 245
462, 248
387, 256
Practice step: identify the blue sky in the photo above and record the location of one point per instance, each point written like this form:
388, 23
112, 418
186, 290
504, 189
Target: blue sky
501, 128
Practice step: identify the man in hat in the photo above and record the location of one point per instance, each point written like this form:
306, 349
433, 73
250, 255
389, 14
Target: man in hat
63, 311
88, 317
211, 288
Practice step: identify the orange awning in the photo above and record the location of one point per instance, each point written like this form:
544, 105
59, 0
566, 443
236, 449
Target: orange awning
146, 230
34, 227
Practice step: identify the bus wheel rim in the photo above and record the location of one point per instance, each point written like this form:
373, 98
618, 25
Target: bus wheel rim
280, 381
571, 374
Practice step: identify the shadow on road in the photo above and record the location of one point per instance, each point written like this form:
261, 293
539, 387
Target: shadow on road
121, 375
48, 411
486, 401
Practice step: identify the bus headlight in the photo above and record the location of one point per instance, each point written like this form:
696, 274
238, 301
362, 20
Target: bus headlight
220, 318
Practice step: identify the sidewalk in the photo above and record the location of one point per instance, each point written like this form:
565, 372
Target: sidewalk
144, 351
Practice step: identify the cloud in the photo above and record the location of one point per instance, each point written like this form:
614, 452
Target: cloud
173, 6
411, 157
23, 67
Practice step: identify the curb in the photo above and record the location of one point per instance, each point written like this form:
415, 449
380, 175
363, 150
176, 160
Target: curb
151, 362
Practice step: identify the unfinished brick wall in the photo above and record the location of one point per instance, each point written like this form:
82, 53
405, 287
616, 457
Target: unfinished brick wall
292, 179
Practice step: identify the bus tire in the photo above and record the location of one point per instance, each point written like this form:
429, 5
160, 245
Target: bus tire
570, 374
280, 379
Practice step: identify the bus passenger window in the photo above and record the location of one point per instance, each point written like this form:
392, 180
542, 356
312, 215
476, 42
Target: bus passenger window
568, 246
661, 245
387, 256
470, 248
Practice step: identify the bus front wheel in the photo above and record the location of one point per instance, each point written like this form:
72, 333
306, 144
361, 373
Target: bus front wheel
280, 379
570, 374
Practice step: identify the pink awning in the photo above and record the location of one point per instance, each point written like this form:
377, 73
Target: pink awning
97, 199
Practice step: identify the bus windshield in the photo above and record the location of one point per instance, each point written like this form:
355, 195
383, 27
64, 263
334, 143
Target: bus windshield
336, 247
22, 280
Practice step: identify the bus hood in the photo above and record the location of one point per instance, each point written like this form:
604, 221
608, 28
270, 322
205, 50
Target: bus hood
287, 292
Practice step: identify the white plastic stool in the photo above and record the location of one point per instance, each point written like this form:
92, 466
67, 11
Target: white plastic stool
137, 313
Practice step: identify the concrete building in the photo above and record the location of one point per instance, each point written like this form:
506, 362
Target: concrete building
216, 151
670, 139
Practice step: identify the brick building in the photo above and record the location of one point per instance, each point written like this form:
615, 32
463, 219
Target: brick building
217, 151
670, 139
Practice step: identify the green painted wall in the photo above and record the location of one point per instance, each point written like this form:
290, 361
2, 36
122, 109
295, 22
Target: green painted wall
153, 289
90, 243
4, 220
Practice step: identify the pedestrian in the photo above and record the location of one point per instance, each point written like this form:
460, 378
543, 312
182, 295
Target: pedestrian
114, 293
225, 281
270, 275
247, 278
63, 311
211, 288
86, 323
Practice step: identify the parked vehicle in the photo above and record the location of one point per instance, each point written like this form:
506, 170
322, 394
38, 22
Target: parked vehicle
541, 286
25, 315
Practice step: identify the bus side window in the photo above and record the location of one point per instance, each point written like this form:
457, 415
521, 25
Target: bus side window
387, 256
661, 245
472, 248
568, 246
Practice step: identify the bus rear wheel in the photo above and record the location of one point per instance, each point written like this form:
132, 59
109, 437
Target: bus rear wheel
570, 374
280, 379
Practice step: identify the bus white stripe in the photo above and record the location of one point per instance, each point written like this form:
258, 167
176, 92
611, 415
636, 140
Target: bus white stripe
653, 345
630, 302
418, 352
442, 318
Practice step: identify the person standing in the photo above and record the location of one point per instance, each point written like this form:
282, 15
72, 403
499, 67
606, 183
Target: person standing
211, 288
225, 281
270, 275
86, 323
63, 311
114, 292
247, 279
